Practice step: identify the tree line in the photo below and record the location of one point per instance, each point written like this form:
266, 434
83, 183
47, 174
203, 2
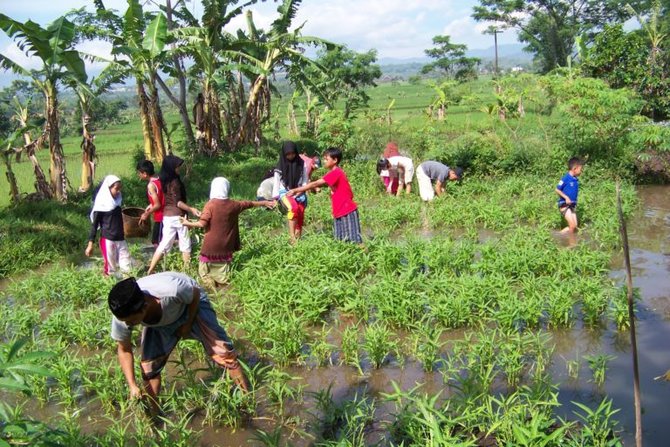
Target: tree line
171, 54
231, 75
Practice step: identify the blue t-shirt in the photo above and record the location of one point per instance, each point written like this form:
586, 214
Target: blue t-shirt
570, 187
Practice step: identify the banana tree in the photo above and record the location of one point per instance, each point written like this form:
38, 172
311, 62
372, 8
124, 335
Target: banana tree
138, 47
86, 94
260, 53
27, 124
445, 95
145, 51
203, 41
7, 153
53, 45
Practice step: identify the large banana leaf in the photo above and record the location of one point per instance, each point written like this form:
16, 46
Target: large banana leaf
287, 11
75, 65
29, 36
155, 36
8, 64
133, 23
61, 34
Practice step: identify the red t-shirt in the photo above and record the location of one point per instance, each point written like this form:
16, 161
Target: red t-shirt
341, 196
158, 214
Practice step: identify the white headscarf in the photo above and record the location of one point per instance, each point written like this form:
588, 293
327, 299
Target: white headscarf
104, 201
219, 189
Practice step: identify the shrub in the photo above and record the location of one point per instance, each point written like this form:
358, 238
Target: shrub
594, 120
336, 130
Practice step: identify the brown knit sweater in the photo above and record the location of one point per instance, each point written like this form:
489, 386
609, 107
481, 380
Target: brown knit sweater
223, 233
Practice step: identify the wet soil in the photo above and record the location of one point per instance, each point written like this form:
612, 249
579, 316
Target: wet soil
649, 236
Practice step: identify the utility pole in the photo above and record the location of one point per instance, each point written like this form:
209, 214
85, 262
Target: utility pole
495, 31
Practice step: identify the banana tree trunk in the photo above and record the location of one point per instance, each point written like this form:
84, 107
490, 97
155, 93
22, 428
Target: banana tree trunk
292, 120
144, 118
59, 182
87, 154
11, 178
156, 120
250, 112
180, 103
41, 185
212, 120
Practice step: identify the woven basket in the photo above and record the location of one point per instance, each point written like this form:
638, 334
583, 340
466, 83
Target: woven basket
131, 222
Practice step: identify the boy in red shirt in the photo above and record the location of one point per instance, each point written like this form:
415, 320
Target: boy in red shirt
145, 170
346, 225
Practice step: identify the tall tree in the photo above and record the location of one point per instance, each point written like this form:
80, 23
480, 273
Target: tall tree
635, 59
344, 74
549, 28
451, 59
174, 67
53, 45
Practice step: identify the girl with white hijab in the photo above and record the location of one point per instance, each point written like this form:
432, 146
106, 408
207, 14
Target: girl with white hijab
220, 219
106, 215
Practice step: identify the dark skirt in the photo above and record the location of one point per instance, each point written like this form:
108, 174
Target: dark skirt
348, 228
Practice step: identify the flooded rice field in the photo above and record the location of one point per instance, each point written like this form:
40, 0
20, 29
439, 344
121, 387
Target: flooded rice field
323, 393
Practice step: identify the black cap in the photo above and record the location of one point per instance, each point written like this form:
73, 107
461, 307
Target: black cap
126, 298
458, 172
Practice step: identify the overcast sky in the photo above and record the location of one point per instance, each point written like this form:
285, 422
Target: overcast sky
396, 28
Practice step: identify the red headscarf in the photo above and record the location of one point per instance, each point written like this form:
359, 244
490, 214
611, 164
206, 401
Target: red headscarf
391, 150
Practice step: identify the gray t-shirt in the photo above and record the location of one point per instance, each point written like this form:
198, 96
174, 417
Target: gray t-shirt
175, 291
435, 171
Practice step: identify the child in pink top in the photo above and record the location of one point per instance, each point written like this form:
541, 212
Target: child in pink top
346, 225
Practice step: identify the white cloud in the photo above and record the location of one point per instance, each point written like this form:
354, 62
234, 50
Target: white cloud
396, 28
461, 30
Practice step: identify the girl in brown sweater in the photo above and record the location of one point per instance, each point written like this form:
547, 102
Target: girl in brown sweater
220, 219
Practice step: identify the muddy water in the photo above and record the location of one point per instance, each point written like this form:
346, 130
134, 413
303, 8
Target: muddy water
649, 237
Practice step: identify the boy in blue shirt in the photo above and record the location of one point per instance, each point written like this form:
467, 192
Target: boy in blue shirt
568, 190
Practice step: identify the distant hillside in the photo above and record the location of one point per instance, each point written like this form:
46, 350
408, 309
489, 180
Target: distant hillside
508, 51
509, 55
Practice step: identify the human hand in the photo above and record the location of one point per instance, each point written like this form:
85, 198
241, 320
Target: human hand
135, 392
568, 201
270, 203
183, 220
144, 217
290, 193
89, 249
195, 212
